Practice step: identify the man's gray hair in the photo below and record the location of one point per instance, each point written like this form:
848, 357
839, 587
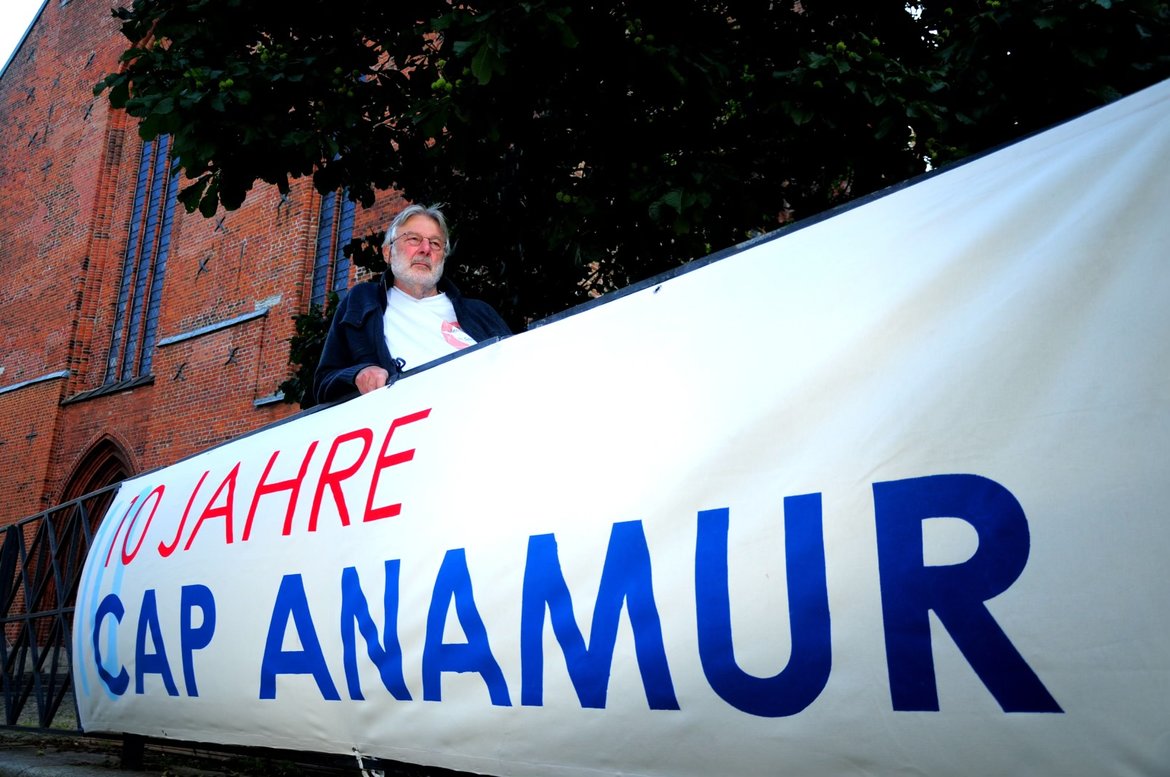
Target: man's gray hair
431, 211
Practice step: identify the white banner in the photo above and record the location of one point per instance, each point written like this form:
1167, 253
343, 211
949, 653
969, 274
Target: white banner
884, 494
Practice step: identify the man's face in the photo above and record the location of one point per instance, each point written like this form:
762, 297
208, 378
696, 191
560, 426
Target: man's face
417, 268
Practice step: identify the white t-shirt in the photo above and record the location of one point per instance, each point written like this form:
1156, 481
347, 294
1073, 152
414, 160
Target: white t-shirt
422, 330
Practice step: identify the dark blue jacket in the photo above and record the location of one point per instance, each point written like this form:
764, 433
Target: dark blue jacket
357, 338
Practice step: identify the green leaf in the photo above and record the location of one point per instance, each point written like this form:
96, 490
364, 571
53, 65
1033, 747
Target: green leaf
486, 63
209, 202
190, 195
120, 93
801, 115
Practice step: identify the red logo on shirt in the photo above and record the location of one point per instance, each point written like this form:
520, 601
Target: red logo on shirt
455, 336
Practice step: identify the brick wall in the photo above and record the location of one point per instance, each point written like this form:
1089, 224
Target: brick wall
232, 284
27, 420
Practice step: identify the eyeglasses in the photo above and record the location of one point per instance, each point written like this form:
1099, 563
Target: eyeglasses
414, 241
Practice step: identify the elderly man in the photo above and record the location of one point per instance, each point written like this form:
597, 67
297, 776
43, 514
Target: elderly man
410, 317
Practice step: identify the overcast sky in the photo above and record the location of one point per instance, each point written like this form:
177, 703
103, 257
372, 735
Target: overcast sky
15, 17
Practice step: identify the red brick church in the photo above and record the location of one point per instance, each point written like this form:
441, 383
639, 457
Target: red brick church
134, 334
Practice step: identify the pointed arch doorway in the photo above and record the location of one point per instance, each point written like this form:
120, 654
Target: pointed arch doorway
105, 464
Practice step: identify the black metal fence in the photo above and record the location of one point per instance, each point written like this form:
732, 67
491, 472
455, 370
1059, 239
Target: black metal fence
41, 559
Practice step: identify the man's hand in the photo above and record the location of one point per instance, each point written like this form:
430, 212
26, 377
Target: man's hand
370, 378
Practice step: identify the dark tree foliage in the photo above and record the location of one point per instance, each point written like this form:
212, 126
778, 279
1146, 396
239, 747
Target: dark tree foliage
305, 350
1013, 68
306, 345
581, 147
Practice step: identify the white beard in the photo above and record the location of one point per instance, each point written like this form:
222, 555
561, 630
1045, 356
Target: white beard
402, 270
